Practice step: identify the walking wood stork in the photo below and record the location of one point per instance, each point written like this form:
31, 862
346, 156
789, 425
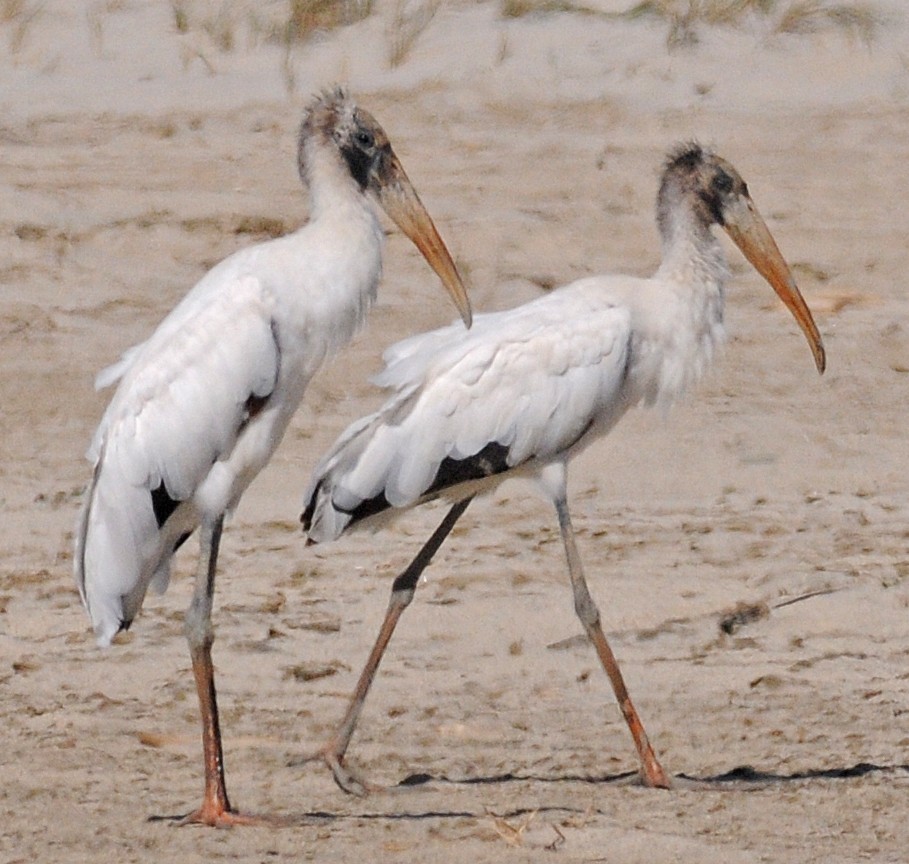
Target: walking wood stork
202, 405
528, 388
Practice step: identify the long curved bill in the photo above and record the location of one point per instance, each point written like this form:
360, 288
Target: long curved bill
400, 201
749, 232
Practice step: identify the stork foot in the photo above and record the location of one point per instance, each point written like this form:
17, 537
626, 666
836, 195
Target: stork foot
654, 777
348, 780
215, 816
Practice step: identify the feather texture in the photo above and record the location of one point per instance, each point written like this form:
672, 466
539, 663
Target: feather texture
202, 404
533, 380
545, 379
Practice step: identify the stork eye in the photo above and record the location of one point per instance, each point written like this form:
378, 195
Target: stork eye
723, 183
364, 139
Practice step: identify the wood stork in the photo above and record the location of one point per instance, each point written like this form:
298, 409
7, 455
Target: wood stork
202, 405
527, 389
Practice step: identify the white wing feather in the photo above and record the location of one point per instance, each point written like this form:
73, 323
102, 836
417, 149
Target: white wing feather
181, 403
533, 379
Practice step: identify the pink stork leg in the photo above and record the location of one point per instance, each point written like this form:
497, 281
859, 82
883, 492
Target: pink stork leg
403, 589
652, 772
215, 809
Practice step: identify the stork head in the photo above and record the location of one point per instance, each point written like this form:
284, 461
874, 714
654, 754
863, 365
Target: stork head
333, 119
717, 195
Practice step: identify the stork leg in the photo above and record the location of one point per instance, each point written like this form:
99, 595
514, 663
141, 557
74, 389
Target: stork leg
215, 809
652, 772
402, 591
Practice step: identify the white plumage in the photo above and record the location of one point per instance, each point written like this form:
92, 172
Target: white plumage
516, 380
202, 405
526, 389
175, 420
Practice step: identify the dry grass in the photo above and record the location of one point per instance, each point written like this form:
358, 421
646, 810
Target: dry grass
19, 15
522, 8
809, 16
11, 10
408, 21
686, 18
306, 17
228, 23
181, 15
220, 22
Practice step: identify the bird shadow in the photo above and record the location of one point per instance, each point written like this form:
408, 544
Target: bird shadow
741, 778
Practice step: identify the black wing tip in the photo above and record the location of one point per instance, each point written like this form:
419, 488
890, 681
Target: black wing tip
487, 462
310, 508
369, 507
163, 504
491, 460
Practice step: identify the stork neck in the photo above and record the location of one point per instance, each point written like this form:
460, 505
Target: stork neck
689, 323
346, 237
344, 242
328, 180
692, 255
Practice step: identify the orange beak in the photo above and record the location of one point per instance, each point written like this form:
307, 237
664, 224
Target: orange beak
400, 201
749, 232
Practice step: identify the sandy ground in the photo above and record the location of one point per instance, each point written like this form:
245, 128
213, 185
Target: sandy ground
132, 158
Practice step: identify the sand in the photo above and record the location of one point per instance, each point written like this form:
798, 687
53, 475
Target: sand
133, 157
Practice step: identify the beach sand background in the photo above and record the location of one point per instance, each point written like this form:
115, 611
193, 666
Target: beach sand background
140, 142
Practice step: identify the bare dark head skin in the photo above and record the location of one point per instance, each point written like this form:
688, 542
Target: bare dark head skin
361, 141
711, 192
334, 119
708, 180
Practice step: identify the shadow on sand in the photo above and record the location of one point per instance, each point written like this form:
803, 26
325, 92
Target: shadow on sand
742, 778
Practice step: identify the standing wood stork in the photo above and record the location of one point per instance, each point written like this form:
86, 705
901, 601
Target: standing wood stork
202, 405
527, 389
